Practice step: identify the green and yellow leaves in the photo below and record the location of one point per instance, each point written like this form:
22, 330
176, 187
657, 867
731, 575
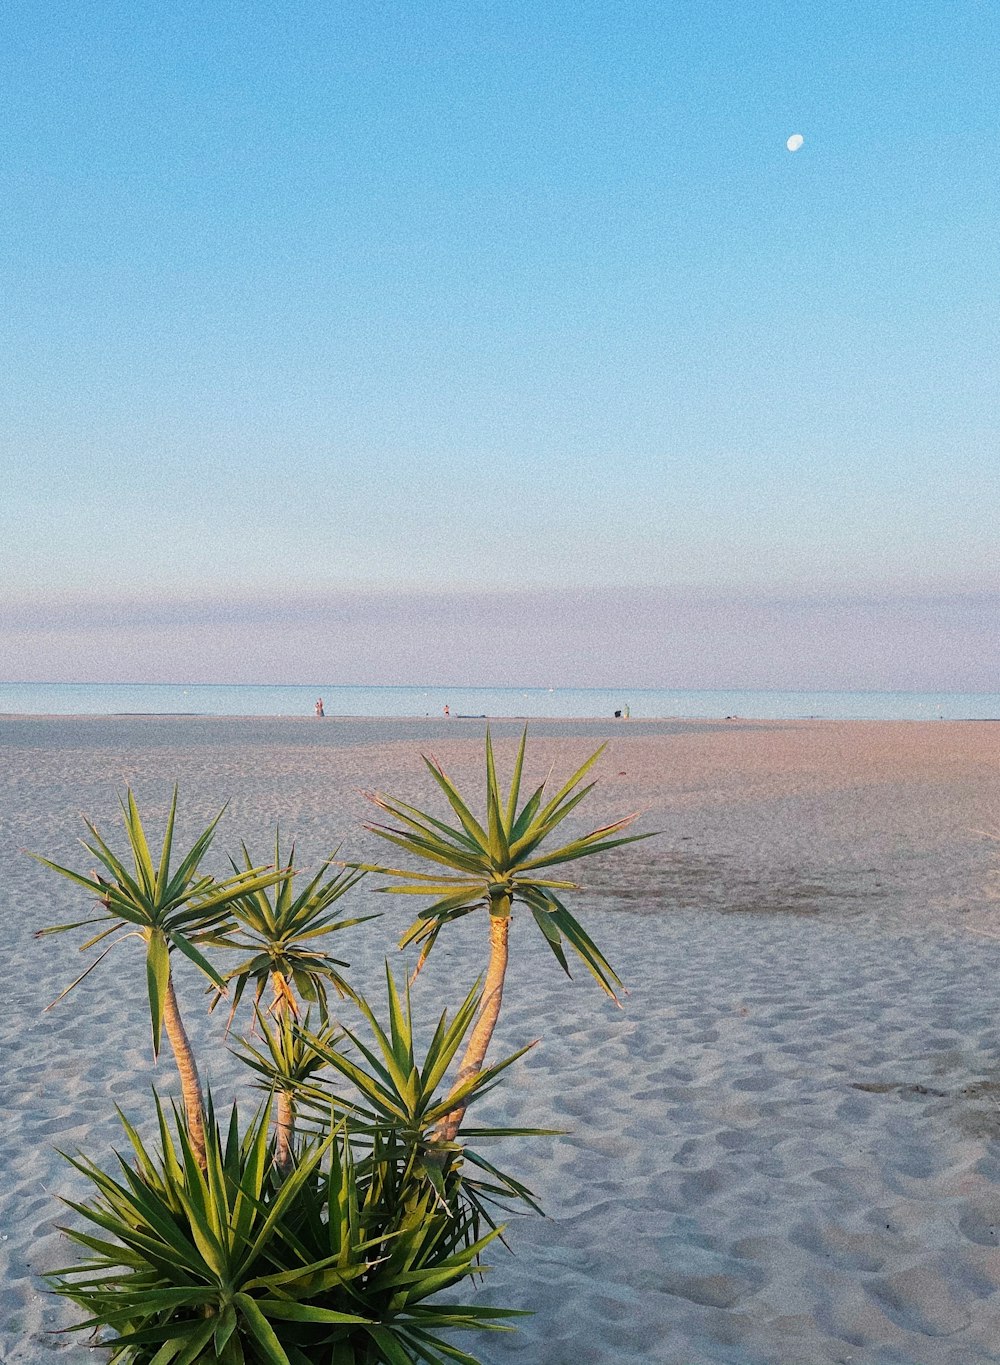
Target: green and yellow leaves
494, 862
393, 1088
168, 907
334, 1262
395, 1103
280, 930
157, 980
329, 1248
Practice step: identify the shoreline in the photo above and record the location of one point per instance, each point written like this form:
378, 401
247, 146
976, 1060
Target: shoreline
615, 722
565, 703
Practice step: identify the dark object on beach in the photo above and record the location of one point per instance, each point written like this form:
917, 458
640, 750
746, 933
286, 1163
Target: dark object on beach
618, 715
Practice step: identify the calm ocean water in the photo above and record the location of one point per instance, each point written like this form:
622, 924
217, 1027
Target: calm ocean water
216, 699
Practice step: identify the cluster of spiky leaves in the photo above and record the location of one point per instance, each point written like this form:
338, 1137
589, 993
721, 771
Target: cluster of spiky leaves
327, 1252
290, 1054
281, 931
496, 863
332, 1265
168, 909
393, 1095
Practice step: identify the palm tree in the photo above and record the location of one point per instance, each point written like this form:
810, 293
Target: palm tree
494, 864
168, 911
280, 934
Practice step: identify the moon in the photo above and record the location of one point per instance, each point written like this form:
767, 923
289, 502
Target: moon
795, 142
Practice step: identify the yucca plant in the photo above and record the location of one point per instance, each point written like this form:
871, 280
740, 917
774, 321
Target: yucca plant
225, 1262
492, 864
287, 1061
167, 910
329, 1246
395, 1095
281, 931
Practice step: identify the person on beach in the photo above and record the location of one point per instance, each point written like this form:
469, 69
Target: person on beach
320, 713
447, 710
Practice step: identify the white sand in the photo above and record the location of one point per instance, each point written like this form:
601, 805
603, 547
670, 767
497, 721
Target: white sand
786, 1147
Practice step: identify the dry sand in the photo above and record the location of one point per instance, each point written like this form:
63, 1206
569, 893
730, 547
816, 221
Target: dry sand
786, 1147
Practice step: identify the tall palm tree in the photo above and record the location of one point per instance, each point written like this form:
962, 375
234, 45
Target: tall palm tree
493, 864
167, 910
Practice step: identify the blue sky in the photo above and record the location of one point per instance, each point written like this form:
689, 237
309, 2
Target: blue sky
374, 304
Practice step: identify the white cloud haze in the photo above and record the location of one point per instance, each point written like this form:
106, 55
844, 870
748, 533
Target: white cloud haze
599, 638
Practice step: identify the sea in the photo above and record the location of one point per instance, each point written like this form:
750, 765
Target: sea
243, 699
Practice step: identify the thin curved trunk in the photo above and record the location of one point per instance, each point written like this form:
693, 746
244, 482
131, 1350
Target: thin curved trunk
194, 1103
284, 1121
284, 1128
486, 1022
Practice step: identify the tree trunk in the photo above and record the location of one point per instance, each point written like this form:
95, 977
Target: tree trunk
284, 1121
284, 1128
194, 1103
486, 1022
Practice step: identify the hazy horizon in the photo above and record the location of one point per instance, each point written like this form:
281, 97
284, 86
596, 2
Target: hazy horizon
651, 638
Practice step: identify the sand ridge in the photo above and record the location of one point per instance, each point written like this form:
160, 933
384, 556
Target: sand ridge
785, 1148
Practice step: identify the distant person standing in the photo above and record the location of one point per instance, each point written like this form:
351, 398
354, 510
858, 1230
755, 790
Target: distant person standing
318, 708
447, 710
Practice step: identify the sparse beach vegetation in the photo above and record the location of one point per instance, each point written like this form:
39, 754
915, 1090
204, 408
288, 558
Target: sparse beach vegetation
324, 1231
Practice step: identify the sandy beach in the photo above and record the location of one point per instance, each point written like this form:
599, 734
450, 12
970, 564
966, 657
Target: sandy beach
785, 1148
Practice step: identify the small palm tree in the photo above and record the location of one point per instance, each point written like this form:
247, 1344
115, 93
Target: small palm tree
493, 864
396, 1097
280, 932
168, 910
287, 1061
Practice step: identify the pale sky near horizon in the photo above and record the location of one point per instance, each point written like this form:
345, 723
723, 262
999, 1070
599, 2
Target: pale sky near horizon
337, 314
